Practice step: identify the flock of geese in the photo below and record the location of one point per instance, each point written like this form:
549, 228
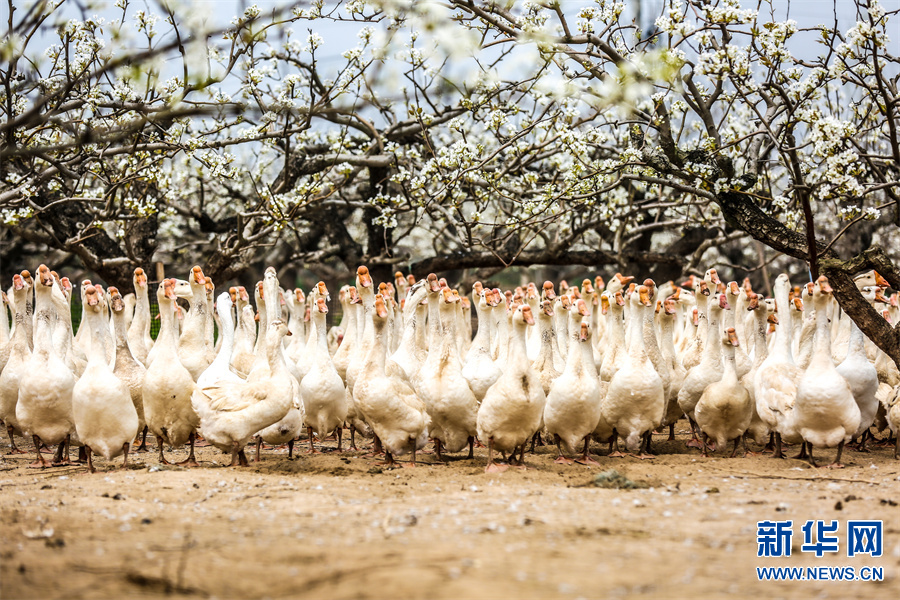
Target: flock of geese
600, 362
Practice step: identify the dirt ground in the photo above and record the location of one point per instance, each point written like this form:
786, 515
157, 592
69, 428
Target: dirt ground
338, 526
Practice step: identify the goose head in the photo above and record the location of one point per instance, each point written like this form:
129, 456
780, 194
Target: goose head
599, 284
92, 298
822, 293
547, 292
363, 279
45, 277
224, 304
731, 337
183, 289
584, 334
139, 279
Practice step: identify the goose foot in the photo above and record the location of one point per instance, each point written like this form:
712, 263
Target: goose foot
125, 448
90, 460
143, 447
41, 462
616, 454
82, 456
562, 460
62, 456
671, 437
493, 467
644, 456
587, 460
388, 461
189, 461
312, 449
834, 465
694, 443
13, 449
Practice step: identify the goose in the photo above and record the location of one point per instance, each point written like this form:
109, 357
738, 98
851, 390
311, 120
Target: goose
825, 412
635, 400
513, 407
336, 334
63, 337
322, 390
724, 411
286, 430
139, 339
614, 355
694, 353
231, 412
192, 349
676, 372
297, 326
863, 379
105, 418
807, 328
365, 288
242, 356
341, 358
545, 363
168, 385
44, 407
651, 344
14, 370
302, 366
409, 355
220, 370
776, 379
572, 410
733, 294
388, 403
758, 430
480, 370
710, 368
126, 367
450, 403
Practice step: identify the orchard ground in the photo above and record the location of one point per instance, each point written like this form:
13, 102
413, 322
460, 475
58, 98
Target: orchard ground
339, 526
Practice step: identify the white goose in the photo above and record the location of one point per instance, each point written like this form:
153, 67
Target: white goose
126, 367
14, 370
776, 379
232, 412
192, 348
480, 370
572, 410
710, 368
512, 408
220, 370
451, 405
105, 419
44, 407
723, 411
168, 385
139, 339
635, 401
863, 380
825, 412
321, 389
389, 405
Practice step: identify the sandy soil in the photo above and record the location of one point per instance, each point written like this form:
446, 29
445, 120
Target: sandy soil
338, 526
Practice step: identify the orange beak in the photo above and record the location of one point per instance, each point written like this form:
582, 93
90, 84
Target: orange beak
604, 304
585, 332
362, 274
732, 337
526, 315
380, 308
